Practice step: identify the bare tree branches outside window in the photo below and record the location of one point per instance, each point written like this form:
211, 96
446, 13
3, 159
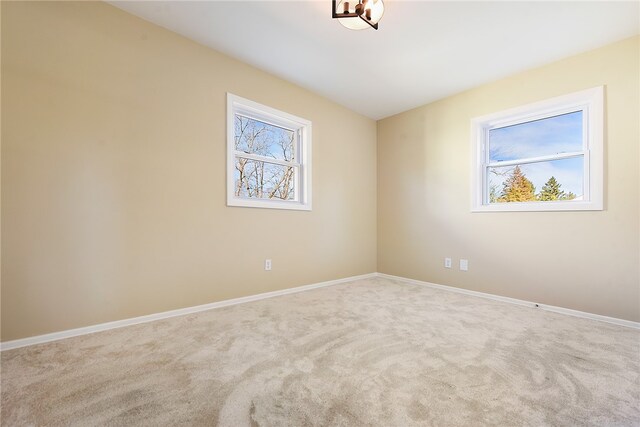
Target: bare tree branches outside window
269, 169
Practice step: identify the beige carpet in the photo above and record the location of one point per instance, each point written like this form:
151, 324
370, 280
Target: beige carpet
372, 352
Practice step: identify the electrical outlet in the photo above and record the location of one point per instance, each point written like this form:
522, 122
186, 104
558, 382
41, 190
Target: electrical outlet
267, 264
447, 263
464, 264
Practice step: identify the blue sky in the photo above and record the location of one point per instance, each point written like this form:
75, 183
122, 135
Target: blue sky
553, 135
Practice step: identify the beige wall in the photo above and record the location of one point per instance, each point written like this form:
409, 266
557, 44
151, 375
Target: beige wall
113, 175
581, 260
113, 182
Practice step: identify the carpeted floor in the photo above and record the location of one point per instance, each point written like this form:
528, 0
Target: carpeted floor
372, 352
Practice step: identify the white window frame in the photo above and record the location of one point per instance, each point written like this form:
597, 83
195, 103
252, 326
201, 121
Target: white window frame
301, 128
591, 103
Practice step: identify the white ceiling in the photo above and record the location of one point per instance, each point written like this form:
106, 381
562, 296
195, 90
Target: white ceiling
423, 51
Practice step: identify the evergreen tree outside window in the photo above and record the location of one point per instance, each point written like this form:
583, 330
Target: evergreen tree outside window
546, 156
552, 191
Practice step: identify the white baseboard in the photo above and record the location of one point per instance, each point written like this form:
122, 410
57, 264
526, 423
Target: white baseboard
55, 336
553, 308
39, 339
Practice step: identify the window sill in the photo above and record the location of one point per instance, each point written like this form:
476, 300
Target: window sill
539, 207
268, 204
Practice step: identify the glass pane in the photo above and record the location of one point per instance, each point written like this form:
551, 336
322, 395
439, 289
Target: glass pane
260, 180
537, 182
544, 137
255, 137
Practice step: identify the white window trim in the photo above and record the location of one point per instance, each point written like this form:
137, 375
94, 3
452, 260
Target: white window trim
302, 127
591, 102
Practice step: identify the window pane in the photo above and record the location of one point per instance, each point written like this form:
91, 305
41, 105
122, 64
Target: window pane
261, 180
541, 181
544, 137
255, 137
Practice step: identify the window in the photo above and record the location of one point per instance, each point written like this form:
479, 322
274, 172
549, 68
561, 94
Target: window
546, 156
268, 157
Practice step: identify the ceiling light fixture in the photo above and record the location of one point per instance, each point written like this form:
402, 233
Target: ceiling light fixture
365, 13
